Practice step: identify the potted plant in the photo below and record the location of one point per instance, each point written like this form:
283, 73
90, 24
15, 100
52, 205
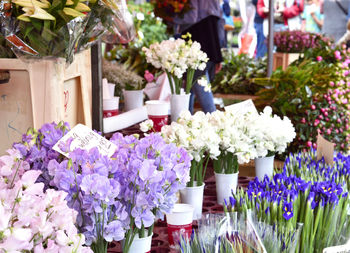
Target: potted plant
292, 44
177, 58
200, 139
129, 85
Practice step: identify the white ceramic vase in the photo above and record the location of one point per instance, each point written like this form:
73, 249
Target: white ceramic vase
132, 99
225, 185
178, 103
264, 166
194, 197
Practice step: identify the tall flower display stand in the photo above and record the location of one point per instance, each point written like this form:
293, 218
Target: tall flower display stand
41, 91
284, 59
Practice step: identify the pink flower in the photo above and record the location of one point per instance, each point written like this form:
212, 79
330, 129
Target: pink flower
328, 131
313, 107
314, 145
303, 121
337, 55
309, 144
148, 76
331, 83
325, 113
319, 58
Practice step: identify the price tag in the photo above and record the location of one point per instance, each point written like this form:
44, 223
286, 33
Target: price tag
325, 149
84, 138
242, 108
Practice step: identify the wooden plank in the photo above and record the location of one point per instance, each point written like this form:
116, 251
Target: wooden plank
235, 96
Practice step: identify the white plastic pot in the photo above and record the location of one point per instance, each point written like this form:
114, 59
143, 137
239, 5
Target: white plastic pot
264, 166
178, 103
225, 185
194, 197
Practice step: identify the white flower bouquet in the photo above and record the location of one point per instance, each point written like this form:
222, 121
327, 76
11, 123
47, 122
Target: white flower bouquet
177, 57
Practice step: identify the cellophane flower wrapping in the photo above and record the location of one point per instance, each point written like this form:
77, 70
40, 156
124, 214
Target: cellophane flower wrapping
51, 28
306, 191
230, 232
34, 220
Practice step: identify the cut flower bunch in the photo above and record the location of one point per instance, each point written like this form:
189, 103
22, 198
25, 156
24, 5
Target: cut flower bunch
228, 138
177, 57
117, 197
53, 27
306, 191
33, 220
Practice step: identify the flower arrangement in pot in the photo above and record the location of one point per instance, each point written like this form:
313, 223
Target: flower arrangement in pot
297, 41
271, 135
236, 147
177, 58
152, 172
200, 139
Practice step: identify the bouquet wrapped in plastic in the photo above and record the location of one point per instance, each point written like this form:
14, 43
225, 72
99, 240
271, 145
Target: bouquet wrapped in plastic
229, 232
61, 28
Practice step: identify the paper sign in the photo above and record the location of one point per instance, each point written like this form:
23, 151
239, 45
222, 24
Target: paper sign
338, 249
242, 108
85, 138
325, 149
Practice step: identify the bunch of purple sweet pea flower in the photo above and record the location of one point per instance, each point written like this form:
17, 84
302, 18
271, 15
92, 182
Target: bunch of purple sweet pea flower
151, 173
306, 191
116, 197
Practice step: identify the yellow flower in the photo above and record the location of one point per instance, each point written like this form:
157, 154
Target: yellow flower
72, 12
31, 3
40, 13
82, 7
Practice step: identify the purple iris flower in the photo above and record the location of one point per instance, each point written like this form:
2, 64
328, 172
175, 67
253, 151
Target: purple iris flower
288, 210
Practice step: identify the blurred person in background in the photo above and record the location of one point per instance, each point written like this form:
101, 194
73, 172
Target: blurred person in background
204, 23
261, 46
312, 17
286, 16
226, 14
335, 18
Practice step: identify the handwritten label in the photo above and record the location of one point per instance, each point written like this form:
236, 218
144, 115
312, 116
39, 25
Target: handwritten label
325, 149
84, 138
242, 108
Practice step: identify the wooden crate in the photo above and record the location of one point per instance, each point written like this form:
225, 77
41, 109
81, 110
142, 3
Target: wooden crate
284, 59
43, 91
